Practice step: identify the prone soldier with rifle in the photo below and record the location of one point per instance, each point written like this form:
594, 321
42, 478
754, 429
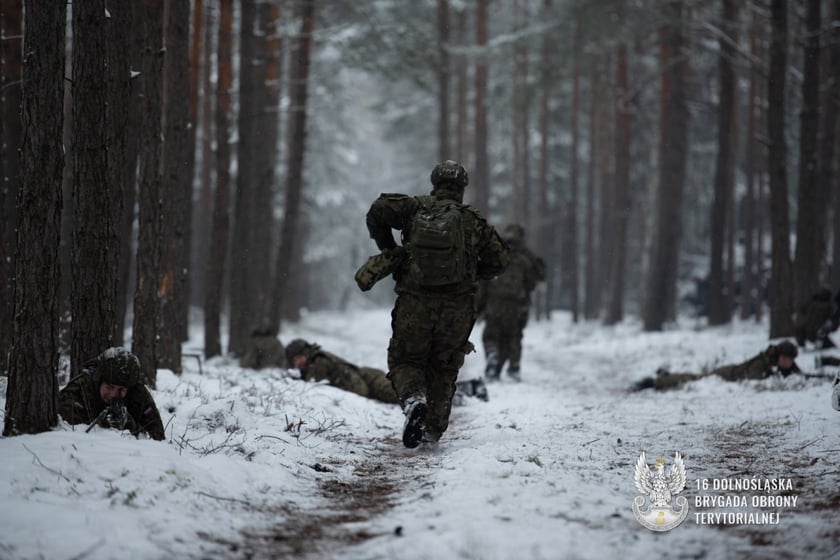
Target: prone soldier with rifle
109, 393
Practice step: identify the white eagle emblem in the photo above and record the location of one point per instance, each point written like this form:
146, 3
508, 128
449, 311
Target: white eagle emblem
659, 489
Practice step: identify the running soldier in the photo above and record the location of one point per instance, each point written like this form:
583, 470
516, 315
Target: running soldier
505, 301
447, 247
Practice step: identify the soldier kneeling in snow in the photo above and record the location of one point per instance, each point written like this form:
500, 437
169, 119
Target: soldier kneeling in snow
778, 358
109, 392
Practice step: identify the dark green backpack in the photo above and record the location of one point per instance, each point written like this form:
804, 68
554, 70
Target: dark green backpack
435, 243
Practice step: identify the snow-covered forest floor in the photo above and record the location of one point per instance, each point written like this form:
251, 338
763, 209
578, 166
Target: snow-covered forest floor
258, 464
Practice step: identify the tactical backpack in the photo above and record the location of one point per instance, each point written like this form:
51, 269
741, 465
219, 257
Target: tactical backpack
511, 284
437, 254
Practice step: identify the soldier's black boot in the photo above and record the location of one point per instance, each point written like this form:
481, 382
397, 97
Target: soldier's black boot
513, 372
493, 369
415, 419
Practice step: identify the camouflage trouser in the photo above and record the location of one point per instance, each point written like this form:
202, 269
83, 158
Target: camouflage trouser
674, 380
503, 334
427, 348
379, 387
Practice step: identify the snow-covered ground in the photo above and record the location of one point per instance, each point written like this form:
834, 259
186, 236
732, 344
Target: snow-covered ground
258, 464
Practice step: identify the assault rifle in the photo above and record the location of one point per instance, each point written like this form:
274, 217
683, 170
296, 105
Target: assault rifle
814, 375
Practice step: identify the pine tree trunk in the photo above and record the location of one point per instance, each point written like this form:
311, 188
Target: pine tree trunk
719, 311
195, 61
242, 284
145, 326
748, 285
828, 174
121, 158
590, 297
573, 260
834, 93
11, 52
813, 205
95, 247
606, 195
622, 199
176, 189
660, 298
33, 357
204, 209
295, 152
781, 300
444, 148
221, 202
265, 161
545, 227
462, 74
479, 184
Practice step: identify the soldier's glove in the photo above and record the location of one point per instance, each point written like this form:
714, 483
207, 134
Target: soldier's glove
117, 415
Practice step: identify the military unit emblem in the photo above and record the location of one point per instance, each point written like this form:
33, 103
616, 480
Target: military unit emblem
659, 488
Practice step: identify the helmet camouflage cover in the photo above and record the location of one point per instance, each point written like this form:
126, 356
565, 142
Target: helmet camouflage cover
450, 172
117, 366
296, 347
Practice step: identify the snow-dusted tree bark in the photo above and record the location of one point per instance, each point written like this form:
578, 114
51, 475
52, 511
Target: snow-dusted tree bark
221, 200
781, 294
33, 357
295, 153
145, 326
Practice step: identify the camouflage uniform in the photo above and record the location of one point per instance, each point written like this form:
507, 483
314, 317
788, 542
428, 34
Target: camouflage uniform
816, 320
321, 365
760, 366
505, 301
431, 326
263, 349
79, 402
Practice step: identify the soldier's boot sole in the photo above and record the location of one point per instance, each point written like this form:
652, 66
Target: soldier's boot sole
415, 418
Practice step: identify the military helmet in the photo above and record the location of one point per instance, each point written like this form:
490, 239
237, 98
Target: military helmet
514, 232
296, 347
787, 348
116, 366
450, 172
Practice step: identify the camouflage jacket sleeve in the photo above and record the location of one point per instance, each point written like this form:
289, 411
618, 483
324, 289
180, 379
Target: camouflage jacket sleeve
758, 367
76, 402
337, 372
493, 254
389, 212
144, 412
536, 270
